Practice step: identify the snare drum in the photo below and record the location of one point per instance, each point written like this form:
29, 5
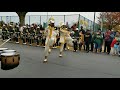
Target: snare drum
9, 60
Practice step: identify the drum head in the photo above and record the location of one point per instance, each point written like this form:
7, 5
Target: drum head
3, 49
7, 54
8, 51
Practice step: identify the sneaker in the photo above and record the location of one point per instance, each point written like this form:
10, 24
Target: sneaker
43, 46
38, 45
68, 48
17, 42
87, 51
45, 61
24, 43
49, 50
55, 47
65, 49
74, 50
30, 44
60, 55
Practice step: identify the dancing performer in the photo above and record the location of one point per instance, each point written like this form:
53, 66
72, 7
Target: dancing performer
50, 38
64, 38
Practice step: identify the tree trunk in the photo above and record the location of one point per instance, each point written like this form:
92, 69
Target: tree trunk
22, 19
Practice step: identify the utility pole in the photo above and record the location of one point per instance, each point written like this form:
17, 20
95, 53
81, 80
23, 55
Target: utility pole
102, 23
94, 22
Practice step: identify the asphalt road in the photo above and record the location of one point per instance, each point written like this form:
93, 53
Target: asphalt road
72, 65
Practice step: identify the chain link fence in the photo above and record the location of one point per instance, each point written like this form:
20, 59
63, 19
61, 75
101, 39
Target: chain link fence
41, 19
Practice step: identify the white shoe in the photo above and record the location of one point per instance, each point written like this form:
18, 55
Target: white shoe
55, 47
38, 45
45, 61
65, 49
60, 55
30, 44
24, 43
17, 42
68, 48
49, 50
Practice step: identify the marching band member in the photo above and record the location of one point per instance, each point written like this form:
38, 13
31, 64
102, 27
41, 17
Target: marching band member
64, 38
32, 34
4, 32
43, 38
17, 34
24, 35
38, 35
50, 38
11, 32
76, 39
27, 34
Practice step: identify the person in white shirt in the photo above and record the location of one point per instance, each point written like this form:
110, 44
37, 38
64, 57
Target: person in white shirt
50, 38
64, 38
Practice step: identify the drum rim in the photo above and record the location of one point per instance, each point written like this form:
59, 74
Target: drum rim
13, 54
9, 50
10, 56
3, 49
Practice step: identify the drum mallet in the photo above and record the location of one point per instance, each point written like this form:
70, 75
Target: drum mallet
5, 42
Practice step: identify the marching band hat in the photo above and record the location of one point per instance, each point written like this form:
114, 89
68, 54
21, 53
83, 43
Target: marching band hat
51, 20
38, 27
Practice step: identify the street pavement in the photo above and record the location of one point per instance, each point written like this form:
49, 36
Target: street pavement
71, 65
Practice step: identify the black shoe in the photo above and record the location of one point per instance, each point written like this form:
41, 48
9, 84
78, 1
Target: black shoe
87, 51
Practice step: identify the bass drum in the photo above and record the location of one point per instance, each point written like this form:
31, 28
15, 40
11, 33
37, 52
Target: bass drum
9, 60
9, 51
1, 51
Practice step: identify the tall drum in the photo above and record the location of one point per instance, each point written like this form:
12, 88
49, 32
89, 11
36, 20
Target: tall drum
9, 51
9, 60
1, 51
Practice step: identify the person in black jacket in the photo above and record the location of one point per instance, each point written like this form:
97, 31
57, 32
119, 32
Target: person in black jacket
4, 32
76, 37
87, 39
83, 31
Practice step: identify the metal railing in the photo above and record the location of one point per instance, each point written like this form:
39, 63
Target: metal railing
41, 19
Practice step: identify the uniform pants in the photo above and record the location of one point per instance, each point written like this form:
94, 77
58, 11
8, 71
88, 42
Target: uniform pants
48, 45
87, 46
107, 45
75, 45
37, 41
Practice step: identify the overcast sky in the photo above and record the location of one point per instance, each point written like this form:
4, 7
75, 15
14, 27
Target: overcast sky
89, 15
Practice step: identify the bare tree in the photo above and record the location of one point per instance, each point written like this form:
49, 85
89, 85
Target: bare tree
22, 17
110, 19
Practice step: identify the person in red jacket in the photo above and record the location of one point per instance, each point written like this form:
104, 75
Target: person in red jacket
112, 46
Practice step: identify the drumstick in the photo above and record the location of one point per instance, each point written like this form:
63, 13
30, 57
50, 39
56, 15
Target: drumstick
5, 42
